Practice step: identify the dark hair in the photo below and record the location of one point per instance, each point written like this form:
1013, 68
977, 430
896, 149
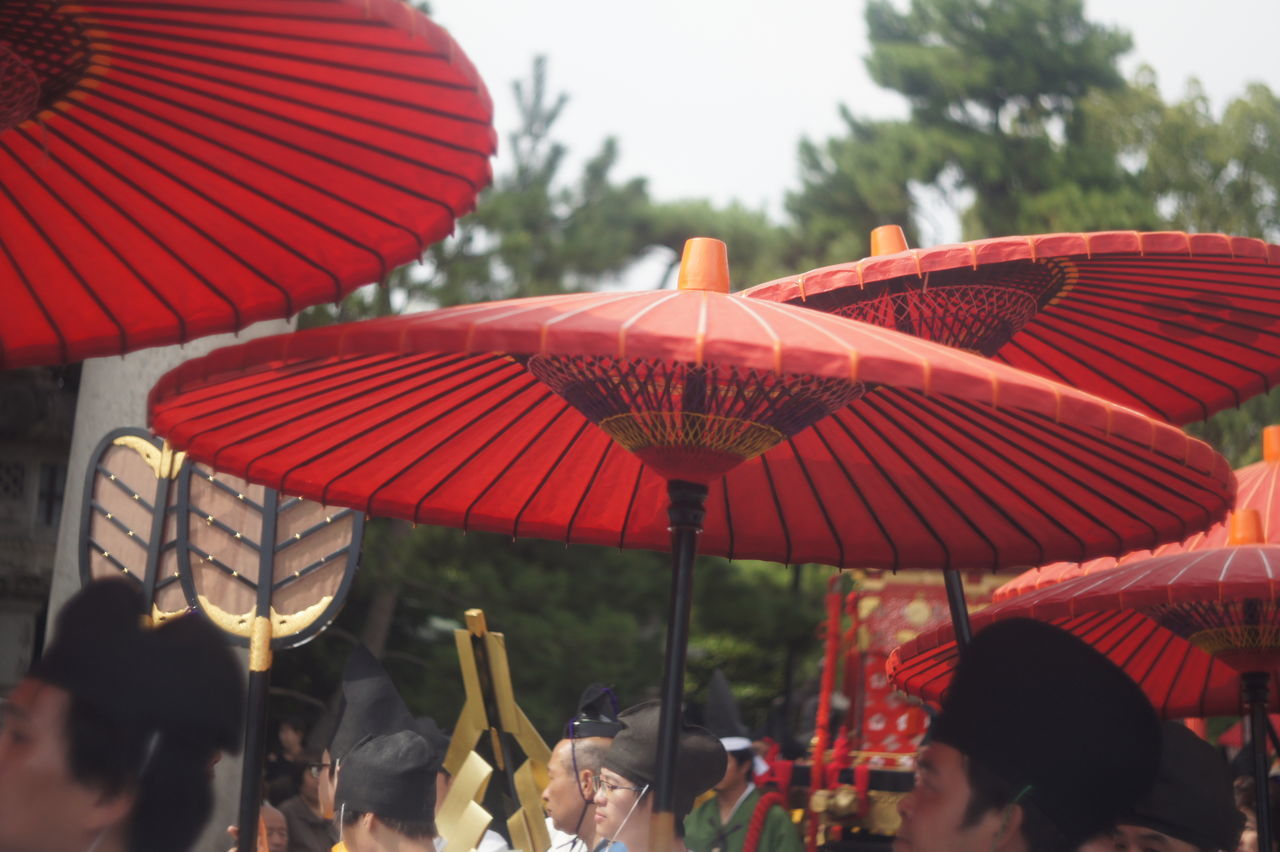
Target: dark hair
989, 792
743, 755
412, 829
168, 776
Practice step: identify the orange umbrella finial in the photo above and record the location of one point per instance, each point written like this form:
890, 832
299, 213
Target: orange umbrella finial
1245, 527
1271, 444
704, 265
887, 239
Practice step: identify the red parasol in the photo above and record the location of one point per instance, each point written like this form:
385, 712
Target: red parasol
1257, 488
1199, 632
795, 436
1178, 325
171, 170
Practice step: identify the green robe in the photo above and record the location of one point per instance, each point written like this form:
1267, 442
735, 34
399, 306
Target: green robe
704, 833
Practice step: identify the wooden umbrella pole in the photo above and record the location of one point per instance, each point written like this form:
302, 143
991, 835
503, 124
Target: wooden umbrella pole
959, 608
686, 512
1255, 695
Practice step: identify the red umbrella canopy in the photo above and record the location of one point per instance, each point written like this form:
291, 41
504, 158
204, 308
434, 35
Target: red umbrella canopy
1257, 489
1185, 627
175, 169
821, 439
1174, 324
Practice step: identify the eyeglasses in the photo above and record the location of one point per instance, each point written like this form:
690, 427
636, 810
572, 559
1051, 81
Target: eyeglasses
313, 769
601, 784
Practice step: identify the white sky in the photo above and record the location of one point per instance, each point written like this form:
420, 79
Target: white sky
708, 98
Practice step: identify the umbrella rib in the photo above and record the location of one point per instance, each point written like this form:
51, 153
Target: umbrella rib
106, 244
281, 97
822, 506
250, 130
311, 83
857, 492
728, 521
777, 504
208, 167
138, 42
891, 482
582, 498
22, 275
261, 32
631, 505
156, 200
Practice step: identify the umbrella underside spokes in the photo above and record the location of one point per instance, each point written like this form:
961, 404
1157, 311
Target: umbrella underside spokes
897, 478
687, 421
1242, 632
43, 55
976, 310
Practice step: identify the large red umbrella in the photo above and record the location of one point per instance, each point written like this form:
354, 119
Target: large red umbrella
1199, 632
1178, 325
646, 419
175, 169
1257, 488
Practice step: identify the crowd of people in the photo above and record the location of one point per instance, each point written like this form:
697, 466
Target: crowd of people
1041, 745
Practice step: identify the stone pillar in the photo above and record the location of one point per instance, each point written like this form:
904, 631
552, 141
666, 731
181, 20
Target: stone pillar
113, 393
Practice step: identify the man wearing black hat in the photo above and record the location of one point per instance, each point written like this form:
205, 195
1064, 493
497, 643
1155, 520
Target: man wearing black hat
1041, 744
722, 823
386, 795
624, 788
1191, 807
108, 744
569, 797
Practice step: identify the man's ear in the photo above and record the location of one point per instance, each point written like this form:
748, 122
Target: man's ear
1009, 835
109, 809
586, 785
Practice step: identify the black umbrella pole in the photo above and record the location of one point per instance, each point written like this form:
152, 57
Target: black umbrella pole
1255, 695
686, 512
255, 737
959, 608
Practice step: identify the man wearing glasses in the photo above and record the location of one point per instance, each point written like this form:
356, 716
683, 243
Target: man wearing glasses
569, 797
309, 831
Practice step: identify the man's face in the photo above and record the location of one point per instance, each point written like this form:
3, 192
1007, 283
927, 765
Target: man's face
277, 829
735, 776
1137, 838
616, 798
42, 807
562, 798
933, 812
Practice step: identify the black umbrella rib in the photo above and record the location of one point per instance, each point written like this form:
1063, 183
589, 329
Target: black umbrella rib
867, 506
247, 186
108, 140
1080, 307
250, 130
499, 436
631, 505
1065, 318
26, 283
961, 422
909, 460
582, 498
532, 384
279, 97
106, 244
258, 32
728, 521
851, 410
777, 504
401, 370
360, 94
112, 39
287, 381
1073, 437
832, 528
1040, 332
311, 185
